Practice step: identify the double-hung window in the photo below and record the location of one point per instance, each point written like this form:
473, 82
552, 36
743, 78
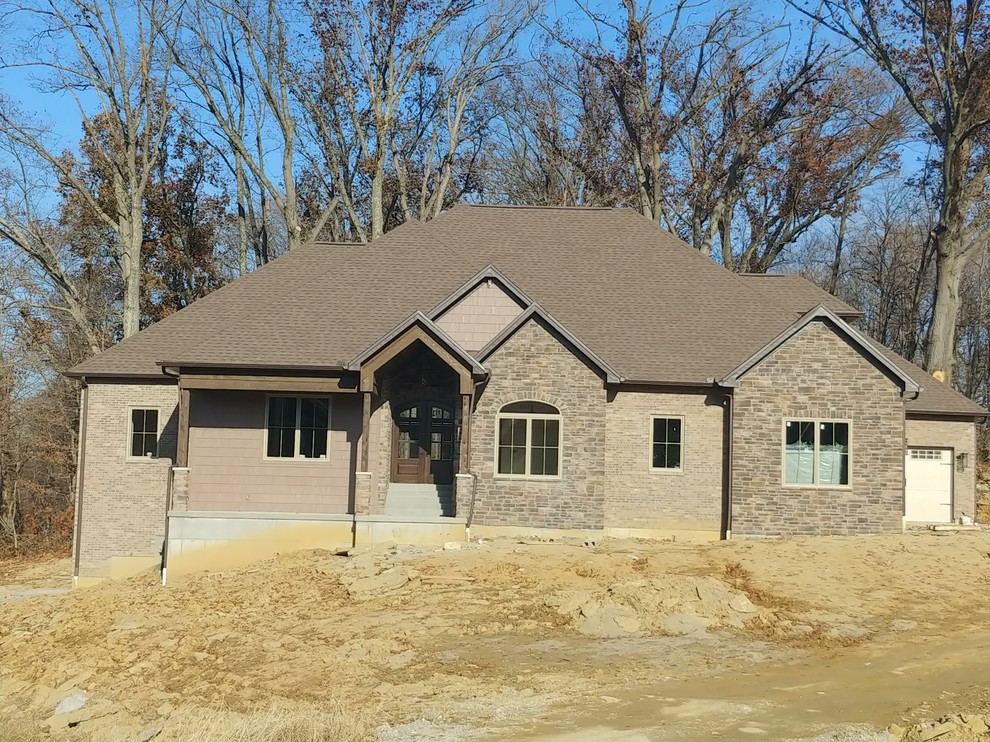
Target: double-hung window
143, 441
816, 452
667, 443
528, 440
297, 427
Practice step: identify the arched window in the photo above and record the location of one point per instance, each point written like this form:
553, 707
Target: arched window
528, 440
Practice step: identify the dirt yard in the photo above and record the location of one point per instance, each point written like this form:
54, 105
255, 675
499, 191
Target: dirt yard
824, 638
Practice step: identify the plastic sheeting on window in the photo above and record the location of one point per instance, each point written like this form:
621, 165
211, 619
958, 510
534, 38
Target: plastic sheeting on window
799, 463
833, 465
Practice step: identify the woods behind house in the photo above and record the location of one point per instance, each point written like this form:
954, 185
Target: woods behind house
846, 140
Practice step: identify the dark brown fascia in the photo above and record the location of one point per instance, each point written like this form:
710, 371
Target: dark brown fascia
428, 325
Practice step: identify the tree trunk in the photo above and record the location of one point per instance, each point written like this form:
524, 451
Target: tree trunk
377, 204
942, 333
130, 270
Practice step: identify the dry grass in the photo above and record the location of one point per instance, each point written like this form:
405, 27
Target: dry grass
277, 723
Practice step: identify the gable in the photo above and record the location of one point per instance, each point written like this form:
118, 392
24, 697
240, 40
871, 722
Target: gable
479, 315
815, 360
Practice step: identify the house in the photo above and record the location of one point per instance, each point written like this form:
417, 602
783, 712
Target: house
505, 371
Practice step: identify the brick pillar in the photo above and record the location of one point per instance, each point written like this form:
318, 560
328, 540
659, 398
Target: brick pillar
179, 488
362, 493
463, 486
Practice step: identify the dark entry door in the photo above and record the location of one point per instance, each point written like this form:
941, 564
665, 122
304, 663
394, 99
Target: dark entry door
423, 444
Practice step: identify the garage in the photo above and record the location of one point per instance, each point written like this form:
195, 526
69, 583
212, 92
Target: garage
928, 485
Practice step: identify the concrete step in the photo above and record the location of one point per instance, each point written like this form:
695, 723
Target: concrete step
419, 500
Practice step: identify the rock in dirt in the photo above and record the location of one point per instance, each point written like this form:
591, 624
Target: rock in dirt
936, 731
149, 733
607, 620
848, 631
373, 585
89, 712
742, 604
72, 702
686, 624
895, 733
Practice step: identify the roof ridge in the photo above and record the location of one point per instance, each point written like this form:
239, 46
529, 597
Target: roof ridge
538, 207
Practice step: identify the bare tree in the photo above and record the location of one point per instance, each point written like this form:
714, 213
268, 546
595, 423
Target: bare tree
938, 54
105, 51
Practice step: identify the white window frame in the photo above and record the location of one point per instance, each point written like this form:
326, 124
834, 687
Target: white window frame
130, 433
649, 453
818, 431
298, 428
529, 417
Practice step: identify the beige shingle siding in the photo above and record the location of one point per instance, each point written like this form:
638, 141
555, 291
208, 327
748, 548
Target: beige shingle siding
639, 497
479, 316
817, 375
961, 436
229, 472
123, 500
533, 365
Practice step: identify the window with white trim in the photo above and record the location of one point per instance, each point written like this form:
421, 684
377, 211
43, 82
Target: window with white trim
667, 443
143, 434
816, 452
297, 427
528, 440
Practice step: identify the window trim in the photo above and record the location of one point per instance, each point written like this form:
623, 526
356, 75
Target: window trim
298, 427
130, 434
651, 443
817, 422
529, 417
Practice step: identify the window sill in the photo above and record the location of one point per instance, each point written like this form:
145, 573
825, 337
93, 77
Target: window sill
792, 486
145, 459
666, 470
527, 478
293, 459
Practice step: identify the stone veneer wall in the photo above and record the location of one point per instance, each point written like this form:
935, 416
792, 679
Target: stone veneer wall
817, 375
960, 435
123, 499
534, 365
639, 497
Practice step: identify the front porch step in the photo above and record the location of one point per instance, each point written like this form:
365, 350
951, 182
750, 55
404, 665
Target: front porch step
420, 500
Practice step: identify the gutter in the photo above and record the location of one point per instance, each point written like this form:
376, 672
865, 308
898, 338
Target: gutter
80, 476
728, 464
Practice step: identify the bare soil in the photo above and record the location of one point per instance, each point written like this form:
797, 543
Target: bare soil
633, 641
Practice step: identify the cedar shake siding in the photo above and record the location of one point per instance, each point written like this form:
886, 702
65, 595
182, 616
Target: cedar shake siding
534, 365
817, 375
960, 435
123, 499
228, 470
479, 316
638, 496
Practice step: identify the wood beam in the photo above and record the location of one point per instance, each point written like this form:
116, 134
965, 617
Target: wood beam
268, 383
365, 430
464, 462
182, 442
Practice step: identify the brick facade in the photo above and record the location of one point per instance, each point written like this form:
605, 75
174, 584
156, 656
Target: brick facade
960, 435
535, 365
123, 499
817, 375
639, 497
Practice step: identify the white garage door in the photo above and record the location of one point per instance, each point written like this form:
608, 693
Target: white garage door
928, 485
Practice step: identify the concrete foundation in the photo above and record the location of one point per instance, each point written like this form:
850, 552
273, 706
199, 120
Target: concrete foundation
378, 529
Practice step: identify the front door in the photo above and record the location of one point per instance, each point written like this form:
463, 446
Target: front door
423, 444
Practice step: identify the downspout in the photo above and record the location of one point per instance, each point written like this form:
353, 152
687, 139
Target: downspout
80, 475
728, 464
474, 478
168, 496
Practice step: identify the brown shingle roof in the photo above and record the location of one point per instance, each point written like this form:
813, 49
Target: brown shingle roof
799, 292
649, 305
